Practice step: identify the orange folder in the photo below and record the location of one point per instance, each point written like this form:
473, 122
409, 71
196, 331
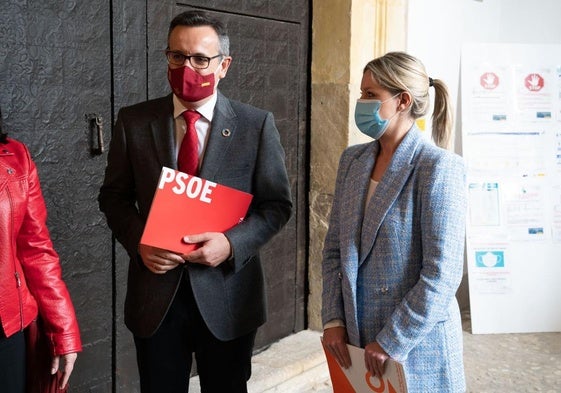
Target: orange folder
189, 205
357, 379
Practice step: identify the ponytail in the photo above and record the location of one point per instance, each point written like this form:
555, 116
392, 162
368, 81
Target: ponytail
441, 115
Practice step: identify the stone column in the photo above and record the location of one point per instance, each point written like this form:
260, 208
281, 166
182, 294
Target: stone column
344, 39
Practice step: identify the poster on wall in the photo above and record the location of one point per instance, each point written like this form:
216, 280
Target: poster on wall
511, 142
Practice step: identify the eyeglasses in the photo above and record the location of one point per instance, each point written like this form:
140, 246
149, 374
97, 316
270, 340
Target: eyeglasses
196, 61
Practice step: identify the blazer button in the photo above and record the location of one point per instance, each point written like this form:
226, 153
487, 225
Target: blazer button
226, 132
384, 290
339, 276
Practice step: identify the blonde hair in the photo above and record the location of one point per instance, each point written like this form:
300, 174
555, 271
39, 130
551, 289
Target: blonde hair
399, 71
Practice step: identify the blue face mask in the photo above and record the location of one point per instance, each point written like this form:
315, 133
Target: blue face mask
367, 117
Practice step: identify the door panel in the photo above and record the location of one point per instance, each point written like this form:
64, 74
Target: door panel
268, 43
55, 69
130, 87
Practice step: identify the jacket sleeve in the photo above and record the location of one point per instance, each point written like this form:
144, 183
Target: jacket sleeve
442, 220
42, 271
117, 197
332, 297
119, 194
271, 204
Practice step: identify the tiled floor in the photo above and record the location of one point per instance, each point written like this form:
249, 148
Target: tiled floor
494, 363
512, 363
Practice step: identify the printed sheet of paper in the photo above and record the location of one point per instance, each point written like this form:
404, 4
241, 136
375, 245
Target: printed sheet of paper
511, 143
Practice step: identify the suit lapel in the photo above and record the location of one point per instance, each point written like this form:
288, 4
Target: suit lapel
223, 130
387, 191
163, 134
354, 200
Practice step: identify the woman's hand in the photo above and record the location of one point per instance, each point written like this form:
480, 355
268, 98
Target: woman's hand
335, 340
69, 360
375, 358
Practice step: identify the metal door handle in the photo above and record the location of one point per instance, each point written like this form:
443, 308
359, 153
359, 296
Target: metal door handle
95, 123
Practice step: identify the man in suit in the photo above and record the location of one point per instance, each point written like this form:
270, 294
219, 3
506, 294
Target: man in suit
210, 301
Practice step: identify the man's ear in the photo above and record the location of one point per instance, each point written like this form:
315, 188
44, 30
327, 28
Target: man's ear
225, 66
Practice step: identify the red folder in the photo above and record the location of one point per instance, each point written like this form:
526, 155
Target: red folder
188, 205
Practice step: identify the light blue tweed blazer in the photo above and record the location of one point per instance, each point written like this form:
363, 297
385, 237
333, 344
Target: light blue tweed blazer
391, 269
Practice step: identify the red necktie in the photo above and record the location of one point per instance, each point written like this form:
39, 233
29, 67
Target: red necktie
188, 157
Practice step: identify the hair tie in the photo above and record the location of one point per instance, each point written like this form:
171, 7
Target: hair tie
431, 82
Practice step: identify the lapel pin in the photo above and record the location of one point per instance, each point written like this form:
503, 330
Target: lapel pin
226, 132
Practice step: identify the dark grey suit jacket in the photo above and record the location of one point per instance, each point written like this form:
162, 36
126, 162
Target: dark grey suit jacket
250, 158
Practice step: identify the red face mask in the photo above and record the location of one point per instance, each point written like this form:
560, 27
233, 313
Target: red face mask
189, 85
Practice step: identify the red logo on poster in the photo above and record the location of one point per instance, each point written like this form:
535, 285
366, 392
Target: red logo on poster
489, 80
534, 82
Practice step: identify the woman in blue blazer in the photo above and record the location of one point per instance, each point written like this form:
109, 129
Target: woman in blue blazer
393, 254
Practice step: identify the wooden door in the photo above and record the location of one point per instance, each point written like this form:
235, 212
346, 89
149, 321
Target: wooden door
269, 47
64, 62
55, 73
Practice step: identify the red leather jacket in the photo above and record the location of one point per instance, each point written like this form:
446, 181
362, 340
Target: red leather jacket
30, 272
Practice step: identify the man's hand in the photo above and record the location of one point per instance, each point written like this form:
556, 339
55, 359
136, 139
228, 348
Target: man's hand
335, 340
159, 261
214, 248
69, 360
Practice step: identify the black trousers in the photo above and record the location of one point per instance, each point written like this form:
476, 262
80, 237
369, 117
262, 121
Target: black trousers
12, 363
164, 360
